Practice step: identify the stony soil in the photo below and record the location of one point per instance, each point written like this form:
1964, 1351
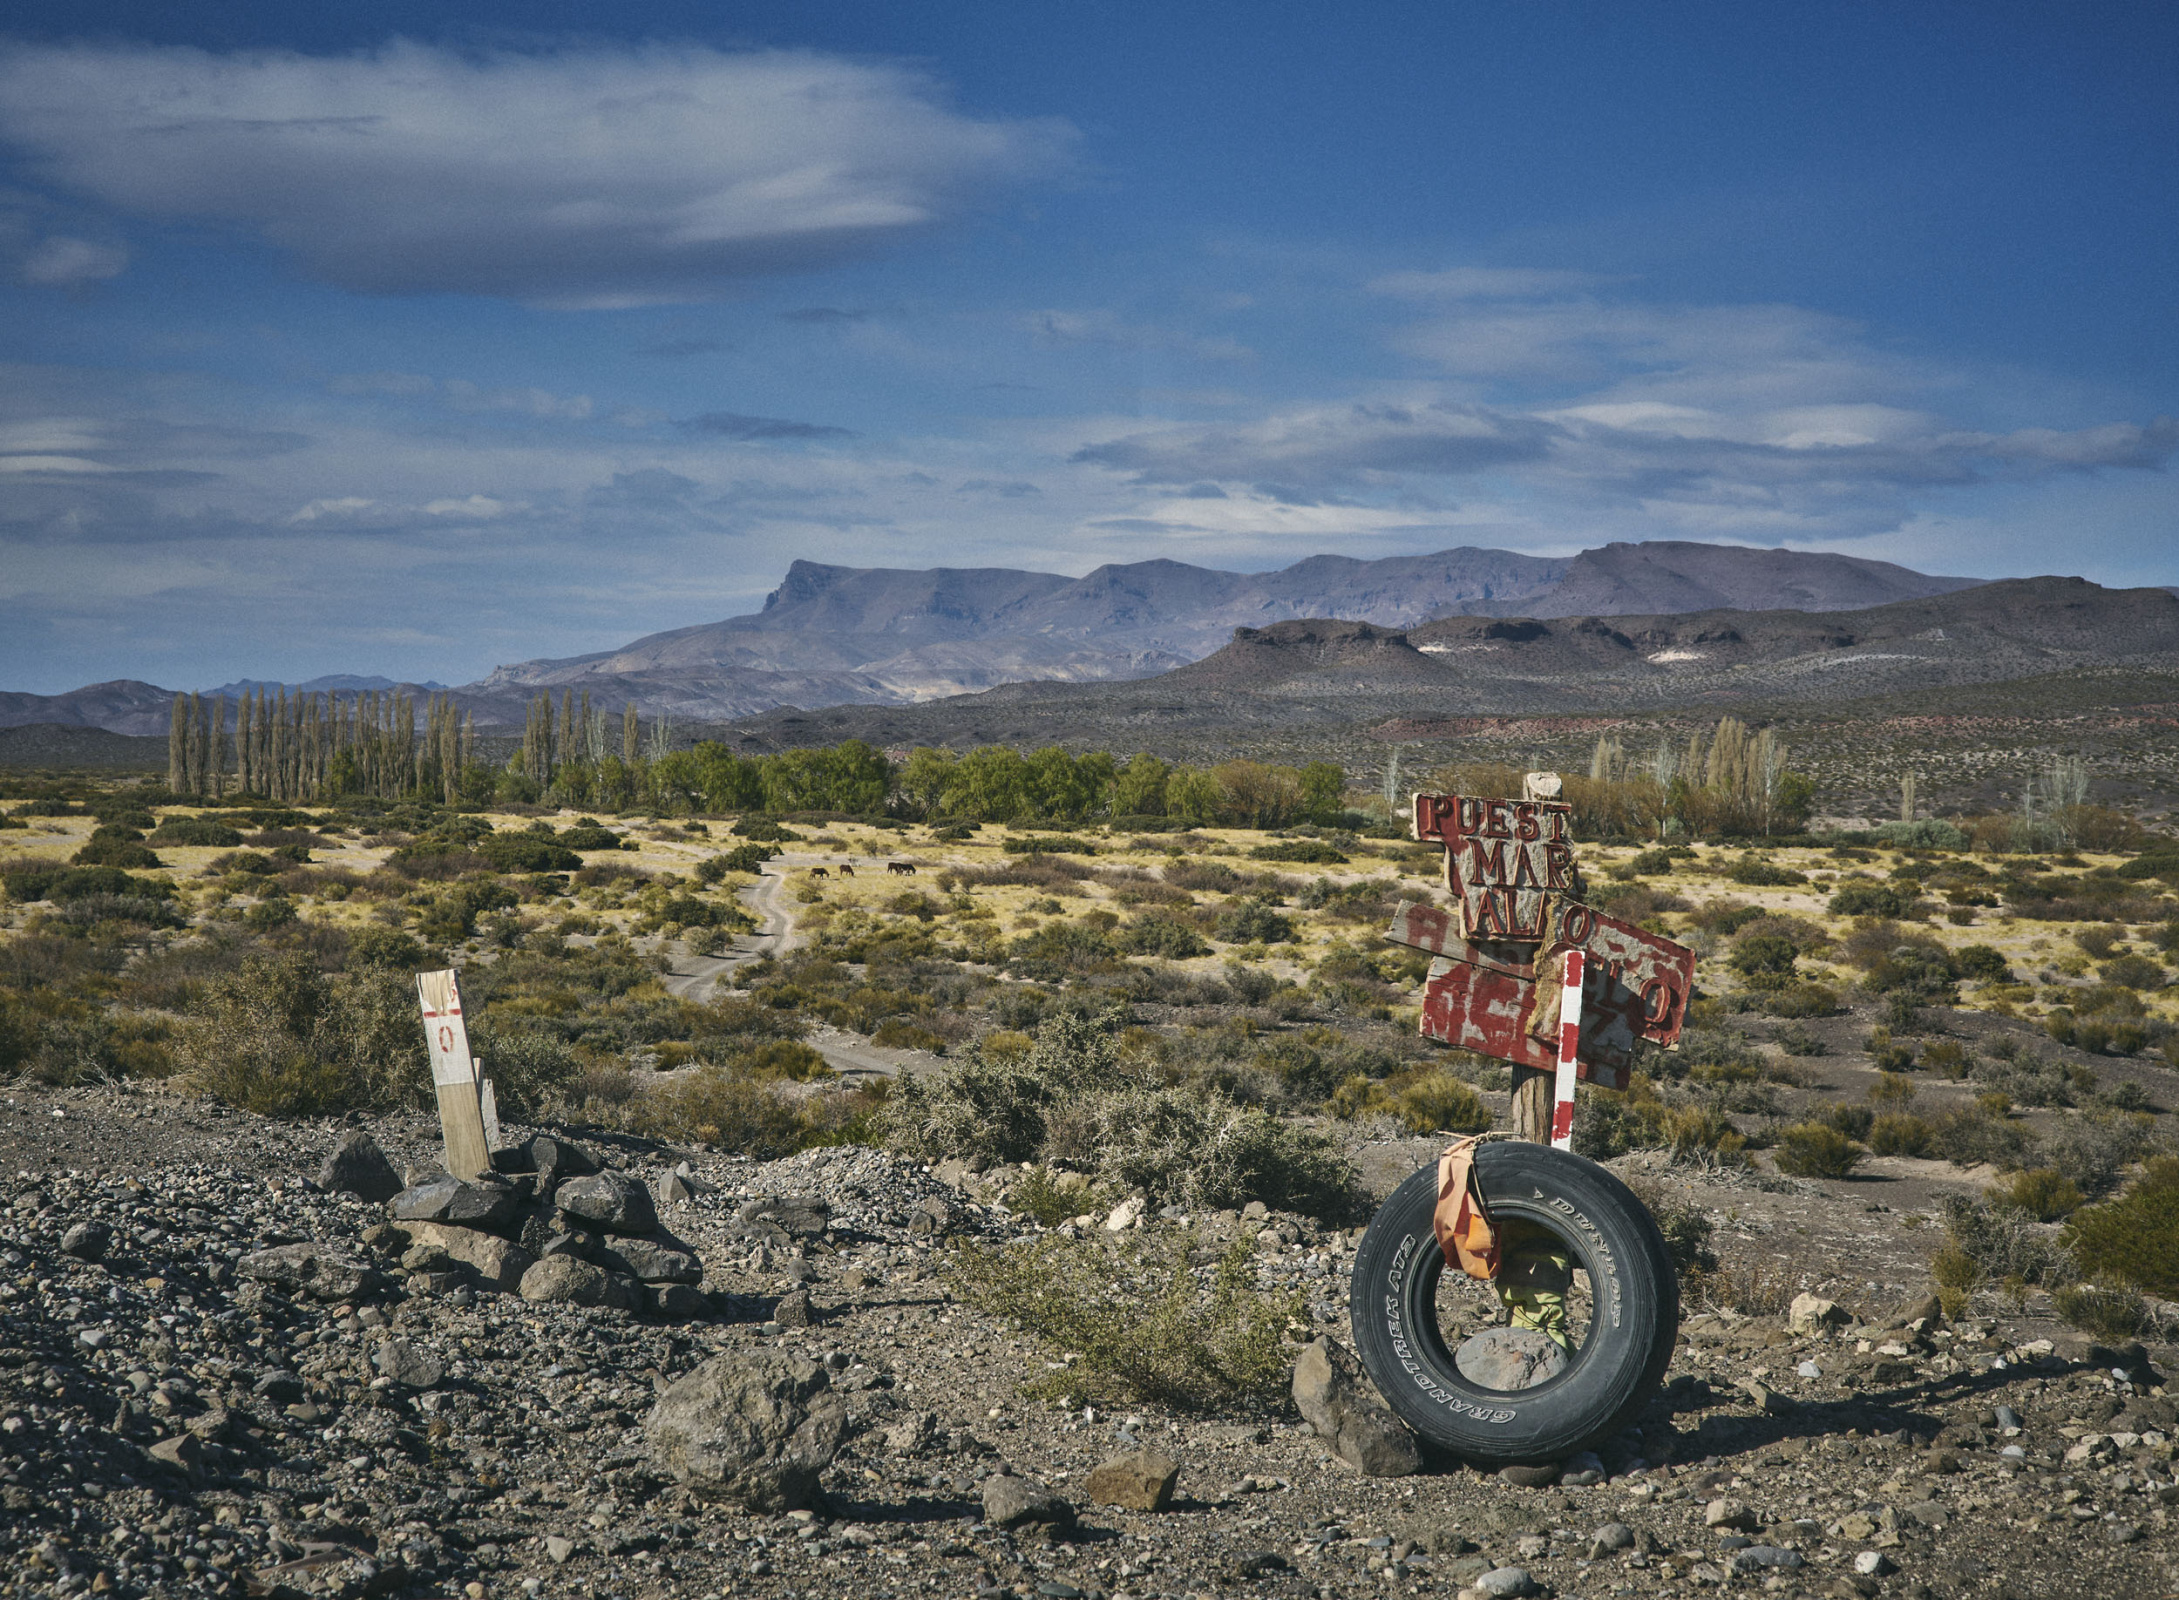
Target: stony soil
294, 1466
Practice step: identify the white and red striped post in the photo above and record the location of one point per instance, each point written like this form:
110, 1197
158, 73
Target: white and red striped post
1562, 1108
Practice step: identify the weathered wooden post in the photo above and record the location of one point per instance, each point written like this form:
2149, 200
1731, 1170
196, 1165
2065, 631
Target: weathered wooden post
454, 1076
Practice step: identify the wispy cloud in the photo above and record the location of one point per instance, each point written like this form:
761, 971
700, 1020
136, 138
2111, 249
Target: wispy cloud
596, 176
734, 425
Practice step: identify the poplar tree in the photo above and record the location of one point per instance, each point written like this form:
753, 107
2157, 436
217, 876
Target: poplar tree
177, 747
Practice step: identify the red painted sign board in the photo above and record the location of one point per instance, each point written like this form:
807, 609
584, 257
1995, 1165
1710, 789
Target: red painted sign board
1489, 1006
1503, 859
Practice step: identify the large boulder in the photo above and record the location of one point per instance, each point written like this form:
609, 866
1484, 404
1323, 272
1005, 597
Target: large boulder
778, 1218
555, 1161
565, 1281
498, 1263
357, 1166
1510, 1358
1336, 1397
489, 1204
651, 1262
1141, 1480
612, 1201
1024, 1505
311, 1269
753, 1428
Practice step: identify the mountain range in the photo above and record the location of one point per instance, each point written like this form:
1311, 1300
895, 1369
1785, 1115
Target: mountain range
831, 635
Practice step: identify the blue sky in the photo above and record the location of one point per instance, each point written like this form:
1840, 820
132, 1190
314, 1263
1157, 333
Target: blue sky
412, 340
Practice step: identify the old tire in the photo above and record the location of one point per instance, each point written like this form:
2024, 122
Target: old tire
1633, 1293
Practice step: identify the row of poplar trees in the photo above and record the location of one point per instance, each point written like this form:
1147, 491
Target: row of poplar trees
303, 746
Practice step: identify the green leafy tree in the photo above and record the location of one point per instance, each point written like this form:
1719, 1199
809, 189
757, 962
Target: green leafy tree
924, 776
989, 785
1138, 789
1323, 791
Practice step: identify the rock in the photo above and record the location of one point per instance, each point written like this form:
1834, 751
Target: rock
911, 1434
87, 1241
798, 1216
310, 1269
651, 1262
755, 1428
410, 1365
1509, 1358
1011, 1502
1504, 1583
489, 1203
1813, 1314
676, 1302
1123, 1216
1765, 1558
499, 1263
1334, 1395
1730, 1514
612, 1200
1141, 1480
555, 1161
1535, 1477
1582, 1469
1766, 1399
357, 1166
557, 1549
794, 1310
1261, 1563
675, 1188
2123, 1533
183, 1450
929, 1219
1610, 1539
564, 1281
1255, 1211
281, 1388
2008, 1420
1874, 1564
426, 1201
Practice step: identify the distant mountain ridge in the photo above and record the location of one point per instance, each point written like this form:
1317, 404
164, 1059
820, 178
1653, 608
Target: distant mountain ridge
833, 635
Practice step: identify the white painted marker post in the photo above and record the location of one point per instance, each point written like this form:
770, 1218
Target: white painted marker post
1562, 1109
453, 1075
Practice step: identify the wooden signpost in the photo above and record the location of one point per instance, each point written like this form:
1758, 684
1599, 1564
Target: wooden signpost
454, 1076
1525, 972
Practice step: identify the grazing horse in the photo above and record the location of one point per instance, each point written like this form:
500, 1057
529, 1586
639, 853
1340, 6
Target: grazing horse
819, 872
848, 871
901, 869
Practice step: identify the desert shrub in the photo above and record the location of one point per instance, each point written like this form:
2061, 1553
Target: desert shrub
2114, 1314
764, 831
1799, 1000
1063, 950
1997, 1244
530, 1066
1900, 1133
1703, 1137
1852, 1120
727, 1110
2043, 1193
202, 832
1927, 834
2031, 1081
1428, 1102
280, 1038
2133, 971
527, 852
1163, 936
1048, 845
1048, 1200
57, 881
589, 835
1717, 1055
1307, 852
2134, 1239
1982, 962
1758, 873
1141, 1323
1976, 1134
2092, 1149
1892, 1089
2126, 1095
1947, 1056
1765, 959
1869, 900
1726, 916
1253, 922
1687, 1232
1796, 1040
1817, 1150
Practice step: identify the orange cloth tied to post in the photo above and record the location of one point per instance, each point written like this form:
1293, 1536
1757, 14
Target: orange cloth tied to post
1463, 1222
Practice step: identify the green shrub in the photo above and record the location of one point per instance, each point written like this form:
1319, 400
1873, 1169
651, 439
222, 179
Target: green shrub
1047, 1201
2093, 1148
1142, 1323
1996, 1244
1817, 1150
2129, 971
1163, 936
1927, 834
726, 1110
1252, 922
1900, 1133
765, 831
1428, 1102
1048, 845
1758, 873
1305, 852
1868, 900
527, 852
1893, 1089
1766, 958
1976, 1134
2045, 1194
280, 1038
2113, 1314
2133, 1239
1798, 1000
1851, 1120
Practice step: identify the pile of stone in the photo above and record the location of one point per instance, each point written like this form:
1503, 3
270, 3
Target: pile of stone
550, 1223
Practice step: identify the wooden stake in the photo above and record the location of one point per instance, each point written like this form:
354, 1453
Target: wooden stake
453, 1076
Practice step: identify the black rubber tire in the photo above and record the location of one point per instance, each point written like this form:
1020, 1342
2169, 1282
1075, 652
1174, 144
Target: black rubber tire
1635, 1320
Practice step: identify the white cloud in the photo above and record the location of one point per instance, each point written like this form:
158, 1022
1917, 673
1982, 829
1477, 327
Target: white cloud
1324, 446
1103, 327
343, 507
603, 176
462, 395
1486, 283
60, 262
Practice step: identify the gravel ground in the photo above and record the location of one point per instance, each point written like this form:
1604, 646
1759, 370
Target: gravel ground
170, 1425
